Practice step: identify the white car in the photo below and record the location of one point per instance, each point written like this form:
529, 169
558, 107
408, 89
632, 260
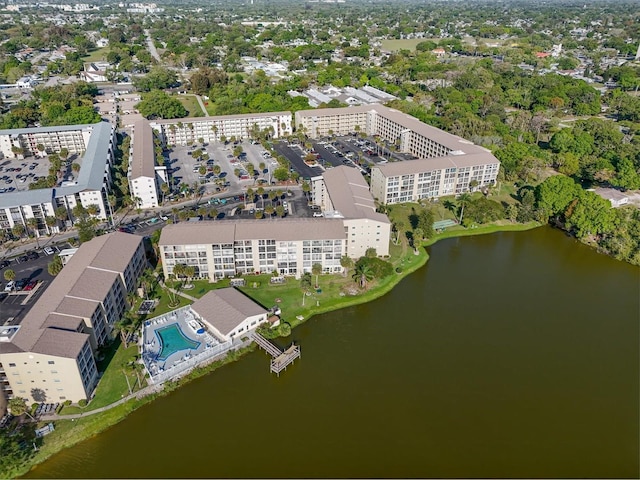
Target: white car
10, 287
49, 250
318, 214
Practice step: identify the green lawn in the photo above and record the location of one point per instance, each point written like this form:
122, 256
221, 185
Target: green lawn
113, 384
190, 102
99, 54
393, 45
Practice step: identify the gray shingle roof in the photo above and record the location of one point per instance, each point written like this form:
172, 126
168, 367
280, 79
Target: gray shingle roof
226, 308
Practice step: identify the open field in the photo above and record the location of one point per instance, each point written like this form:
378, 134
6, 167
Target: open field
96, 55
191, 104
404, 44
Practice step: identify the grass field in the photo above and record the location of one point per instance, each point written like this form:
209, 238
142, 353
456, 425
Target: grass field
96, 55
191, 104
394, 45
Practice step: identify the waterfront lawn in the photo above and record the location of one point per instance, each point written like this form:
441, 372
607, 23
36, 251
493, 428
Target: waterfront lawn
113, 384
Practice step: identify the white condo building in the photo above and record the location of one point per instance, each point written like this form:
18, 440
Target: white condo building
184, 131
446, 165
222, 249
89, 186
145, 176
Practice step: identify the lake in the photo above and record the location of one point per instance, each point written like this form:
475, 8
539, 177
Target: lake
508, 355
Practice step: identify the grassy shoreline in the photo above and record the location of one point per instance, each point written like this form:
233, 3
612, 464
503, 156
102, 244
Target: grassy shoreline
72, 432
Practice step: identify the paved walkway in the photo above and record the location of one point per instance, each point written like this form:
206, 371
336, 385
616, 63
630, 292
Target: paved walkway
204, 109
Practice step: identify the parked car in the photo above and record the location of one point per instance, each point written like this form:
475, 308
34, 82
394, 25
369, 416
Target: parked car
49, 251
33, 255
23, 258
4, 263
30, 286
20, 284
10, 287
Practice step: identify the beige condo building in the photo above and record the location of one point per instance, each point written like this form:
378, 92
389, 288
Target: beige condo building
446, 164
49, 356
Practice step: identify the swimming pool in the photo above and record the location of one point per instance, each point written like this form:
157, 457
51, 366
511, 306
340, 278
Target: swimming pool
172, 340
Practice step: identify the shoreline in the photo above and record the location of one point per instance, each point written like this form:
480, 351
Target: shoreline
91, 425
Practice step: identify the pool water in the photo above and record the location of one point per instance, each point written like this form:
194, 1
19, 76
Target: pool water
172, 340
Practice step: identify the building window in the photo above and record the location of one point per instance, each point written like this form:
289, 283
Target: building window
51, 362
12, 364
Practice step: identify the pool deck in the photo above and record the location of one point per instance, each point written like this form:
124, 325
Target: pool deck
181, 360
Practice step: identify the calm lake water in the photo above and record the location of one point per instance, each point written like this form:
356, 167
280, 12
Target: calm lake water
508, 355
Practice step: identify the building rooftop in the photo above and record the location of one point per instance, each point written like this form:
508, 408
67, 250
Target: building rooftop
90, 177
142, 160
226, 308
74, 291
350, 195
217, 118
283, 229
436, 163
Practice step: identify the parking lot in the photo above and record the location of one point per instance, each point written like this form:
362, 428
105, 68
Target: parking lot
15, 304
186, 169
17, 174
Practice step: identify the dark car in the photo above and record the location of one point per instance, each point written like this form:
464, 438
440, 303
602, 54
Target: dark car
20, 284
23, 258
4, 263
33, 255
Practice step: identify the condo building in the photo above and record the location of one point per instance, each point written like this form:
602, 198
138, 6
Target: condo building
89, 186
185, 131
225, 248
145, 175
49, 356
446, 164
342, 192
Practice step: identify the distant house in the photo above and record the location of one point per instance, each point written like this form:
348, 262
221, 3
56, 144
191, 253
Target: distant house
616, 197
542, 54
95, 72
438, 52
26, 82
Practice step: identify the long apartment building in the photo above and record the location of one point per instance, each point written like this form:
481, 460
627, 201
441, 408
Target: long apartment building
185, 131
446, 164
343, 193
90, 186
145, 175
49, 356
222, 249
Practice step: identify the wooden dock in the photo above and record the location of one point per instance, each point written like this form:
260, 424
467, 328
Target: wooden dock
279, 359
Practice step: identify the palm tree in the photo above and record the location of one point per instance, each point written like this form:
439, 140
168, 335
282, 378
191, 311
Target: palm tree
164, 188
125, 327
93, 209
464, 199
50, 222
362, 275
316, 269
131, 299
269, 210
9, 275
33, 225
346, 262
400, 226
260, 192
280, 211
18, 230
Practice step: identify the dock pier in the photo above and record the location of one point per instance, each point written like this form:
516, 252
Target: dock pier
279, 359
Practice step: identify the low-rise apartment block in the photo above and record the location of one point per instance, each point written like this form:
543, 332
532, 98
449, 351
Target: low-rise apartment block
90, 186
446, 165
49, 357
225, 248
185, 131
343, 193
145, 176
